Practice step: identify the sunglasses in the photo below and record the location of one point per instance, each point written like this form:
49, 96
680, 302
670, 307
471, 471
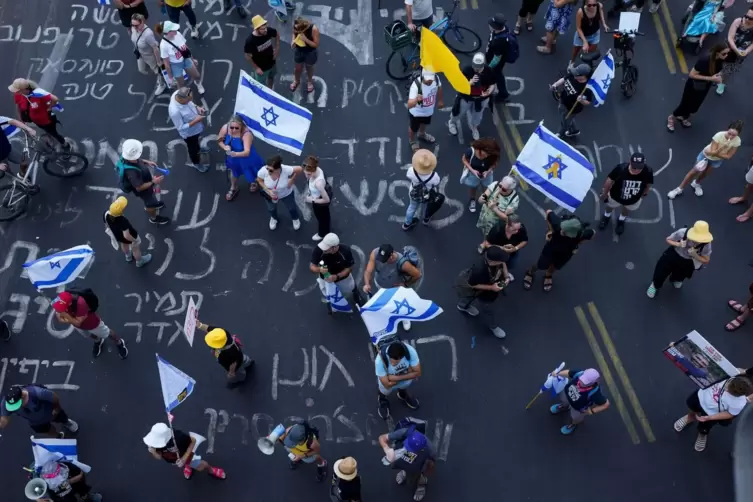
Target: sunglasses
234, 128
591, 5
270, 169
748, 18
307, 166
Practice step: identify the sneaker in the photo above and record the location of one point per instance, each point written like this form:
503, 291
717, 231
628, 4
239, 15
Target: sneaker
654, 8
129, 257
321, 472
159, 220
272, 223
316, 237
677, 285
406, 226
453, 128
144, 260
472, 206
700, 442
294, 464
510, 277
568, 429
572, 133
296, 224
250, 364
200, 88
674, 193
409, 401
499, 332
194, 32
161, 87
97, 349
71, 425
720, 89
604, 221
474, 133
470, 310
651, 291
384, 407
202, 168
620, 228
697, 188
406, 325
426, 221
122, 349
558, 408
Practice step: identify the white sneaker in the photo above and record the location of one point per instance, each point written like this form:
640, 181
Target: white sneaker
296, 224
71, 425
697, 188
674, 193
499, 332
452, 127
200, 88
677, 285
272, 223
472, 206
474, 133
406, 325
316, 237
161, 87
510, 276
195, 32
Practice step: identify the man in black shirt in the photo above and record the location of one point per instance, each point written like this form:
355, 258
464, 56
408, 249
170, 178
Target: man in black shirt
228, 350
135, 176
562, 241
483, 84
625, 188
261, 48
497, 52
481, 285
574, 97
334, 263
511, 236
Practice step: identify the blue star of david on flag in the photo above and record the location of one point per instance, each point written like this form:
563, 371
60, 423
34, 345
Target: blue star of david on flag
601, 79
384, 311
606, 82
60, 268
400, 304
269, 116
554, 167
334, 296
54, 264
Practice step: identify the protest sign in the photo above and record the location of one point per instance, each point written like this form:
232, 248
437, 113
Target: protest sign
189, 325
699, 360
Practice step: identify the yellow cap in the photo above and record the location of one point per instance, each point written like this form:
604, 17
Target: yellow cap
217, 338
299, 42
258, 21
118, 206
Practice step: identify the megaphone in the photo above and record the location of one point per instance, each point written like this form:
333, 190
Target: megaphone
35, 489
267, 444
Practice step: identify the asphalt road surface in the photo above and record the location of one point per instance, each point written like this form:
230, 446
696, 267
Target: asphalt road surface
308, 364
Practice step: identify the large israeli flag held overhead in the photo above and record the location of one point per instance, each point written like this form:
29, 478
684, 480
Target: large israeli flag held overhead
555, 169
387, 307
271, 117
60, 268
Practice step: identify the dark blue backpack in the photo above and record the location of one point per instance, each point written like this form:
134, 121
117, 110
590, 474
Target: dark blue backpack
513, 49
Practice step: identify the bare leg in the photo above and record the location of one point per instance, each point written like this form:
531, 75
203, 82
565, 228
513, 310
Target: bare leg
297, 71
576, 51
136, 250
689, 177
550, 36
705, 173
472, 191
114, 337
310, 74
126, 248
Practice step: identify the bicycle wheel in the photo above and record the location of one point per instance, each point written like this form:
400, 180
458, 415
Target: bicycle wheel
402, 63
629, 81
65, 165
461, 39
14, 199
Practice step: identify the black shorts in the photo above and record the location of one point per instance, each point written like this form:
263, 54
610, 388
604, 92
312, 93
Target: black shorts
415, 122
694, 404
308, 58
125, 14
148, 198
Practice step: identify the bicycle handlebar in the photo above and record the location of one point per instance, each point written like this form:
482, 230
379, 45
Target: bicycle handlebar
629, 32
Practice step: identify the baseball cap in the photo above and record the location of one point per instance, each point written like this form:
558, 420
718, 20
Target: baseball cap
428, 74
589, 377
63, 302
495, 253
479, 59
571, 228
581, 70
498, 21
14, 398
295, 436
384, 252
329, 241
637, 160
415, 442
132, 149
169, 26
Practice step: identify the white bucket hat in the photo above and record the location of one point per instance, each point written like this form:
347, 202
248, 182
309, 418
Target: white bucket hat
159, 436
132, 149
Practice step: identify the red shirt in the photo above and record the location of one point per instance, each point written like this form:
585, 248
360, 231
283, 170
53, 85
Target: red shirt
82, 309
35, 108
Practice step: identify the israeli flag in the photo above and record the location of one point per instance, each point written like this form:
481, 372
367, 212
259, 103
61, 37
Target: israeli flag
272, 118
176, 385
387, 307
9, 129
60, 268
601, 79
334, 296
41, 93
554, 383
555, 169
104, 2
48, 450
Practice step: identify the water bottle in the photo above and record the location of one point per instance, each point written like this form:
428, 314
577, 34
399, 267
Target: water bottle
323, 268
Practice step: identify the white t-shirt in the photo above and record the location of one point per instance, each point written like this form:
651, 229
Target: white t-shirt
422, 9
709, 399
314, 181
280, 185
429, 100
431, 180
168, 51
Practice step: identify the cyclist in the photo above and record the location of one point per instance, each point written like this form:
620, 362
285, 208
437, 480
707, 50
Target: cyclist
37, 105
419, 13
7, 153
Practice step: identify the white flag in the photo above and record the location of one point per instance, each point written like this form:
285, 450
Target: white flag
601, 79
272, 118
59, 268
176, 385
48, 450
334, 296
388, 306
555, 383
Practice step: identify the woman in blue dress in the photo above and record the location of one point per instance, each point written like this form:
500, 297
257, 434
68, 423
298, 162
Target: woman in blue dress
557, 22
706, 22
241, 158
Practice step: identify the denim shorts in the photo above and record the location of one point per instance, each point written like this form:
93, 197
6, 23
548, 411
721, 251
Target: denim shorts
592, 40
177, 68
712, 163
472, 181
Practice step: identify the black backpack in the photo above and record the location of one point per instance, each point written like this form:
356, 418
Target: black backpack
88, 295
383, 351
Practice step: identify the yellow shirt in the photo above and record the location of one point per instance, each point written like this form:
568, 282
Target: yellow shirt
725, 145
175, 3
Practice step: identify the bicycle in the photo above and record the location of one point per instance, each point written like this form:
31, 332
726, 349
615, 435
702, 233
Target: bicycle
15, 197
406, 55
624, 47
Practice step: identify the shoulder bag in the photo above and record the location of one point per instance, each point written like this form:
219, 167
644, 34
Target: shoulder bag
136, 45
186, 53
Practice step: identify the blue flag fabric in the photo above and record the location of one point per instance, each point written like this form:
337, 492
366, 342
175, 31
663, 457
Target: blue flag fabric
334, 296
601, 79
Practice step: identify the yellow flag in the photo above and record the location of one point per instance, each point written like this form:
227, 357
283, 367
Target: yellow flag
436, 57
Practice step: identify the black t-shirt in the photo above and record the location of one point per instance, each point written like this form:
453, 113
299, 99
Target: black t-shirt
66, 492
571, 89
483, 273
480, 165
5, 147
262, 48
581, 398
170, 453
230, 353
118, 225
703, 67
497, 46
137, 177
628, 188
561, 246
498, 237
346, 490
335, 262
485, 80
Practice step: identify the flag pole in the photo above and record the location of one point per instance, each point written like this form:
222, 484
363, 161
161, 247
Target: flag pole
530, 403
572, 108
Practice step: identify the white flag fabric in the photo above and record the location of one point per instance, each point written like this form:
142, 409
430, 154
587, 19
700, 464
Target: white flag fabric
555, 383
272, 118
334, 296
387, 307
9, 129
48, 450
176, 385
60, 268
601, 79
555, 169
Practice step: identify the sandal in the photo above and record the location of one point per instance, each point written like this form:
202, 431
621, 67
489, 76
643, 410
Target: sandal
427, 137
736, 200
420, 493
685, 123
516, 30
543, 49
548, 283
700, 442
218, 473
310, 86
735, 324
671, 123
294, 85
414, 146
529, 25
527, 281
253, 187
743, 218
681, 423
231, 194
187, 471
736, 306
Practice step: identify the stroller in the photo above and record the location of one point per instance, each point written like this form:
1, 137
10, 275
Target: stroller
702, 18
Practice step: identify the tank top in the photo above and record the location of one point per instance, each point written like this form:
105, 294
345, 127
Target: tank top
387, 274
590, 25
236, 145
309, 32
313, 190
743, 37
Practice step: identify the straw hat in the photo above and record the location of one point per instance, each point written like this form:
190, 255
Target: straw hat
700, 233
346, 468
118, 206
158, 437
216, 339
424, 162
257, 21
